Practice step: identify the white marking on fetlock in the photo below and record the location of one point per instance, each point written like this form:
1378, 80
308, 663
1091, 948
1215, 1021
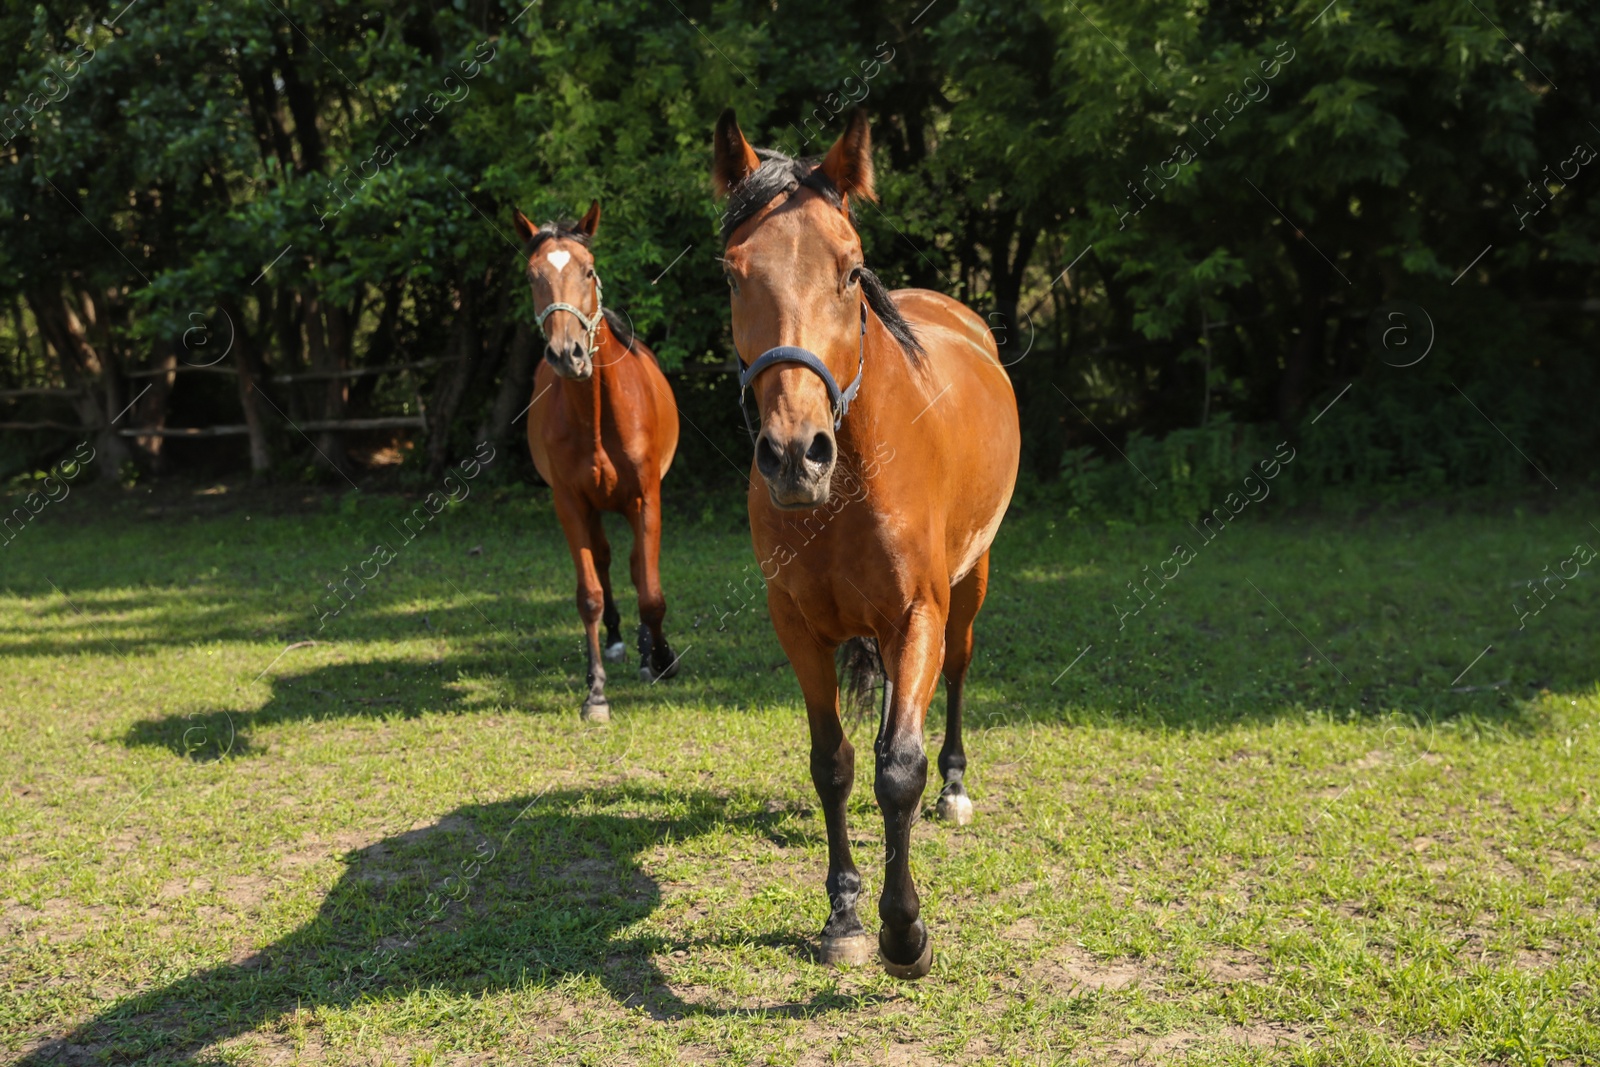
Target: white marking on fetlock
615, 652
559, 260
955, 808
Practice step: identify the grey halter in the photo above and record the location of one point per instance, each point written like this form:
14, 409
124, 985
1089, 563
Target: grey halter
592, 325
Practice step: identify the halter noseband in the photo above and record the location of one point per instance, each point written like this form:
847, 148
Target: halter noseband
592, 325
838, 399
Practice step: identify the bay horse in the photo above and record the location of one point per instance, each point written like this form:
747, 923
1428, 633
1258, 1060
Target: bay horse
923, 442
603, 428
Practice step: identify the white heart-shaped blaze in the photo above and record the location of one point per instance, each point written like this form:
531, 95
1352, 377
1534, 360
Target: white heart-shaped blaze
559, 259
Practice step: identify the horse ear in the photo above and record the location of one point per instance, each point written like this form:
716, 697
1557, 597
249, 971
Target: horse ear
591, 220
733, 160
849, 162
525, 229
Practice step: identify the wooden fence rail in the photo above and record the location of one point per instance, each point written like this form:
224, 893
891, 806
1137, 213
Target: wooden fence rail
42, 390
47, 425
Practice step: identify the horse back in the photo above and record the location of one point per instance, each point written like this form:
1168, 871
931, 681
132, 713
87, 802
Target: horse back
961, 414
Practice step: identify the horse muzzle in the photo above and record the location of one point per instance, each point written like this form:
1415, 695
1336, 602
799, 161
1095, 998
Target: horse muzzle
797, 467
572, 363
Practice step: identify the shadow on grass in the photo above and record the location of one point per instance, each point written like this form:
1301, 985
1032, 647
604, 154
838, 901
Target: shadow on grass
524, 893
404, 689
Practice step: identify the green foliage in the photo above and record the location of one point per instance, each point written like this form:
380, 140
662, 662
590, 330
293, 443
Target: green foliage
1178, 477
1235, 189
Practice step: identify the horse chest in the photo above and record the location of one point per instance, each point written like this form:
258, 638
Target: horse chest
603, 475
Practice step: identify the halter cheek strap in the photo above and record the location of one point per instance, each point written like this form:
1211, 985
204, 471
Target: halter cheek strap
592, 325
838, 399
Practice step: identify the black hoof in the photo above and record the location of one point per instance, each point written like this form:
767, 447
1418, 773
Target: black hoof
909, 972
656, 661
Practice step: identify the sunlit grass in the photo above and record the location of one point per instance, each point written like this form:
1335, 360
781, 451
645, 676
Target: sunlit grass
1268, 819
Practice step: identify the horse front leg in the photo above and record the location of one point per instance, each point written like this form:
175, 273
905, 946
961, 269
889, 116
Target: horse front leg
586, 541
833, 774
656, 660
912, 656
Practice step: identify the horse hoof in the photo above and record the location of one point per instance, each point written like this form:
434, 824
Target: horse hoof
909, 972
600, 712
955, 808
615, 652
646, 674
853, 951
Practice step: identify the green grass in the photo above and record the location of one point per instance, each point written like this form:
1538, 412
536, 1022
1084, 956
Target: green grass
1219, 836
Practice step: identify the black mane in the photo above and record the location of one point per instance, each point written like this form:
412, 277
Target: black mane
569, 229
778, 175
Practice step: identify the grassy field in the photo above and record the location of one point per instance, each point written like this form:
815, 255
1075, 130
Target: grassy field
1286, 814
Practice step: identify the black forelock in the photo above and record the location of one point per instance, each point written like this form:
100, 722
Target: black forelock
560, 228
778, 175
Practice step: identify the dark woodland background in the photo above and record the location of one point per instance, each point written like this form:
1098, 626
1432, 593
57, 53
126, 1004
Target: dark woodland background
1261, 204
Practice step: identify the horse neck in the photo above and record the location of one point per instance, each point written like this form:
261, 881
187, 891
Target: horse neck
885, 377
585, 400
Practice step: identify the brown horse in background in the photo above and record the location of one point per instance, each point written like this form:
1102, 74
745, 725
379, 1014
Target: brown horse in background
603, 428
924, 442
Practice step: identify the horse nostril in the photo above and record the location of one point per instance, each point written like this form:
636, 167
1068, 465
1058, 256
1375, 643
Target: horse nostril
571, 356
821, 451
768, 461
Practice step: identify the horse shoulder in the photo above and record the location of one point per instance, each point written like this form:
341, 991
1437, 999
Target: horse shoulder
540, 411
666, 405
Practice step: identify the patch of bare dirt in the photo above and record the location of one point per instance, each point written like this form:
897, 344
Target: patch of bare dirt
246, 893
1024, 930
178, 888
1140, 1048
61, 919
1067, 969
1237, 967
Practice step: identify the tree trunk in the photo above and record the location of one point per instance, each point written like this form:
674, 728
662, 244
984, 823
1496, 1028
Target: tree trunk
251, 372
150, 411
453, 377
516, 383
323, 322
1315, 279
80, 367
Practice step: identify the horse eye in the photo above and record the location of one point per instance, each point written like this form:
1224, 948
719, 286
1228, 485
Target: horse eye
854, 277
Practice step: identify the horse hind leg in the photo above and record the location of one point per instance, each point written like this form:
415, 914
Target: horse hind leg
656, 661
614, 647
966, 597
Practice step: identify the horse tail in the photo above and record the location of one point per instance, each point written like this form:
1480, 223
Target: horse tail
861, 671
